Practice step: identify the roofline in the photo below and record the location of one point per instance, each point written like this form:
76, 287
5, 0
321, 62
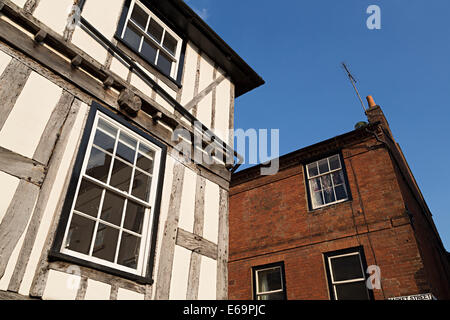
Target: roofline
306, 154
207, 40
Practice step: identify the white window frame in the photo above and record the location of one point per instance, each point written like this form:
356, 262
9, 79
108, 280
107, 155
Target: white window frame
175, 58
147, 225
258, 294
311, 192
335, 283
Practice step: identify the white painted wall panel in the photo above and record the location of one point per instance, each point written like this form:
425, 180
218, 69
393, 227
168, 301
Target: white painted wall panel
103, 15
97, 290
85, 42
222, 109
164, 103
141, 85
165, 199
54, 13
124, 294
211, 220
47, 218
119, 68
204, 110
5, 59
32, 111
180, 273
190, 68
20, 3
187, 207
61, 286
208, 279
206, 72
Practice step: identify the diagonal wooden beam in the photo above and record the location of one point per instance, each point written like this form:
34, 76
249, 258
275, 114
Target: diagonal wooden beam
196, 100
22, 167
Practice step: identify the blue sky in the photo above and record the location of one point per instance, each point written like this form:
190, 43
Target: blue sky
297, 47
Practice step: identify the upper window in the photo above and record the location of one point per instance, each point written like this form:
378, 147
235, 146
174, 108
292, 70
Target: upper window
111, 218
347, 276
269, 282
152, 39
326, 182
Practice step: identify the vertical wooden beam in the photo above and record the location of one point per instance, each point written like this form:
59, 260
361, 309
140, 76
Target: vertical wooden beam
61, 118
170, 234
196, 258
12, 82
231, 116
222, 247
114, 292
197, 81
82, 288
15, 220
214, 102
30, 6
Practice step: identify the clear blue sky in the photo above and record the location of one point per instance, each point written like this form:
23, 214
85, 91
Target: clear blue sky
297, 47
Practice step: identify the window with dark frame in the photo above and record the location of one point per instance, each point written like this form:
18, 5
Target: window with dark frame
326, 182
111, 221
145, 33
346, 275
269, 282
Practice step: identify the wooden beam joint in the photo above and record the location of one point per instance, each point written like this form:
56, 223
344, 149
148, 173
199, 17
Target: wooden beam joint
40, 36
129, 102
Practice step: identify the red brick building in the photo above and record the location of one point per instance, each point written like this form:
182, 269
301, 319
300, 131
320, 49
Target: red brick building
334, 209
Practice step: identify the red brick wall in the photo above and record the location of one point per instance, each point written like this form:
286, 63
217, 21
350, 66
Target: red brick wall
270, 221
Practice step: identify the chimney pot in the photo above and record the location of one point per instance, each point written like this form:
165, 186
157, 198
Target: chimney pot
371, 101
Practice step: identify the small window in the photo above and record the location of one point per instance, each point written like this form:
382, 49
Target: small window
112, 213
269, 282
346, 275
151, 39
326, 182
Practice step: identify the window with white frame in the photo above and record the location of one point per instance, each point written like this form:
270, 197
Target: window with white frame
111, 216
347, 276
269, 282
152, 39
326, 182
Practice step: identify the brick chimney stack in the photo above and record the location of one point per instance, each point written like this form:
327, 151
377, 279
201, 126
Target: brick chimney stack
375, 114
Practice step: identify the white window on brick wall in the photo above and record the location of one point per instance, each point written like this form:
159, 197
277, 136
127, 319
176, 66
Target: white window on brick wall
326, 182
110, 221
269, 282
152, 39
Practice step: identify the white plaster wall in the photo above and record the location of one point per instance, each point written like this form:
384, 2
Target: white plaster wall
103, 17
5, 59
124, 294
97, 290
54, 13
211, 217
187, 207
63, 173
119, 68
204, 109
20, 3
222, 109
190, 68
89, 45
32, 111
180, 273
61, 286
165, 199
140, 84
208, 279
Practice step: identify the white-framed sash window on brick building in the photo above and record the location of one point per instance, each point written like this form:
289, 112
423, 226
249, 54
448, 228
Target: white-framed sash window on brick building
269, 282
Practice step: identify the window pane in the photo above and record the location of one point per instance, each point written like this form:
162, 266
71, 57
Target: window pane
129, 250
155, 30
326, 181
341, 193
170, 44
126, 148
98, 165
121, 175
105, 243
134, 217
104, 141
352, 291
112, 208
317, 199
323, 166
328, 195
312, 169
164, 63
269, 280
338, 178
146, 150
141, 185
105, 126
139, 16
132, 37
149, 51
144, 163
272, 296
80, 234
334, 162
88, 199
346, 268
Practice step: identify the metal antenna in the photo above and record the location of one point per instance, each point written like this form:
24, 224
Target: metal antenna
353, 81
